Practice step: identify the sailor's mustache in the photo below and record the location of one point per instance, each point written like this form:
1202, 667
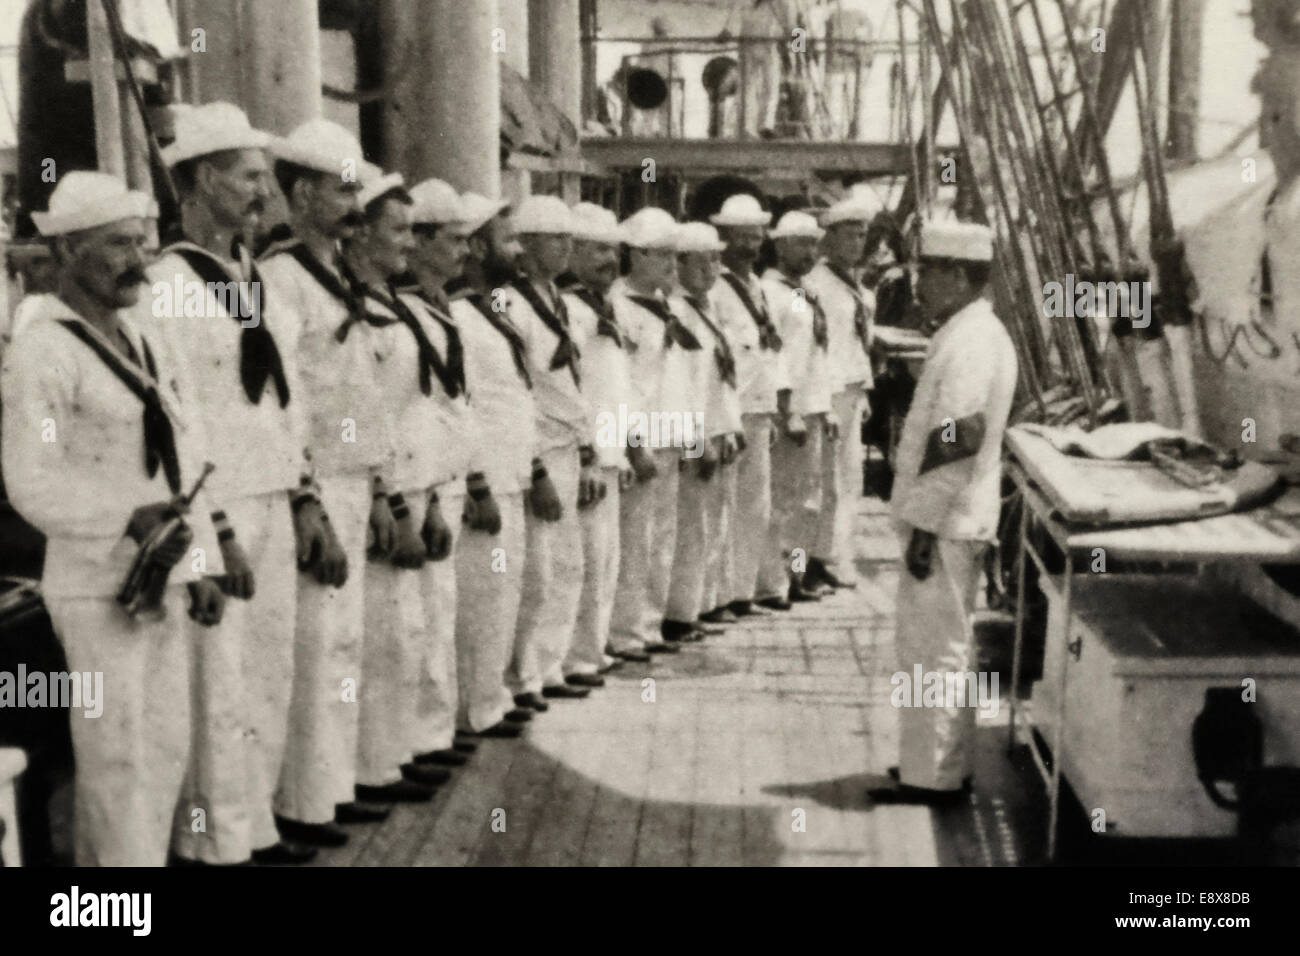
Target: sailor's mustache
352, 219
131, 277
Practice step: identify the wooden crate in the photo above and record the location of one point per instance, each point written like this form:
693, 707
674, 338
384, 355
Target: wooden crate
1150, 646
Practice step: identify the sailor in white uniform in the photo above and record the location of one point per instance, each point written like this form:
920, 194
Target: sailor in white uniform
661, 378
797, 454
238, 357
96, 449
763, 384
565, 470
703, 508
946, 499
606, 383
849, 309
317, 167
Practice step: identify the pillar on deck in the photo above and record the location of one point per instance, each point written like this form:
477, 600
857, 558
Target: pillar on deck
555, 62
443, 113
265, 57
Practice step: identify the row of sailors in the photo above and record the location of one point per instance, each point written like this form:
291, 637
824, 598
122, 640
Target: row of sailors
437, 503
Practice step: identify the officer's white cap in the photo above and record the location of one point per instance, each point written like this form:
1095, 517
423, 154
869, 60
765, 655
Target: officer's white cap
698, 237
543, 215
595, 224
853, 209
476, 210
965, 241
375, 183
741, 209
797, 225
435, 203
650, 228
320, 145
210, 128
84, 200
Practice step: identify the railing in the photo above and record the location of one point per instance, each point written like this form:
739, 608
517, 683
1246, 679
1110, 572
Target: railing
744, 87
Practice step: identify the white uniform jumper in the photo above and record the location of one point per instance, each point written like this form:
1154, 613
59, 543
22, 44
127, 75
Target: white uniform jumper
849, 310
970, 367
553, 570
77, 462
350, 444
489, 568
240, 375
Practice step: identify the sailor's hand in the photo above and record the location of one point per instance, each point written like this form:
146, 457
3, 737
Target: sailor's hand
408, 545
147, 517
920, 552
741, 444
707, 463
793, 428
309, 534
626, 478
237, 582
591, 488
383, 527
727, 449
436, 533
643, 464
831, 428
332, 566
544, 500
207, 602
483, 514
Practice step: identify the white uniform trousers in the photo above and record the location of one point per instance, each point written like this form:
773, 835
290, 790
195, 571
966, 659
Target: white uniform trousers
935, 630
647, 542
553, 576
841, 480
796, 493
489, 585
719, 571
751, 527
600, 550
131, 760
432, 720
239, 704
319, 768
695, 526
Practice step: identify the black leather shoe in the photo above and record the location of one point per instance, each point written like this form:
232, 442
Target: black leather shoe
634, 657
828, 577
521, 715
533, 701
564, 690
584, 680
746, 609
659, 647
429, 776
284, 854
675, 630
360, 813
798, 592
402, 791
313, 834
613, 665
441, 758
903, 793
462, 745
775, 603
719, 615
504, 729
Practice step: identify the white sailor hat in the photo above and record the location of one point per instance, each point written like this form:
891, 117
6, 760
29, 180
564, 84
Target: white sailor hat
320, 145
435, 203
950, 239
476, 211
741, 209
698, 237
595, 224
84, 200
375, 183
650, 228
853, 209
210, 128
543, 215
797, 225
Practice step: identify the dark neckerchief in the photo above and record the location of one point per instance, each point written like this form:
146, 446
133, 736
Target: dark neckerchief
819, 314
606, 323
501, 322
159, 435
768, 338
674, 331
451, 372
259, 357
722, 350
859, 304
557, 320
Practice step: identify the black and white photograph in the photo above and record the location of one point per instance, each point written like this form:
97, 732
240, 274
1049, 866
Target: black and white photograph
650, 434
